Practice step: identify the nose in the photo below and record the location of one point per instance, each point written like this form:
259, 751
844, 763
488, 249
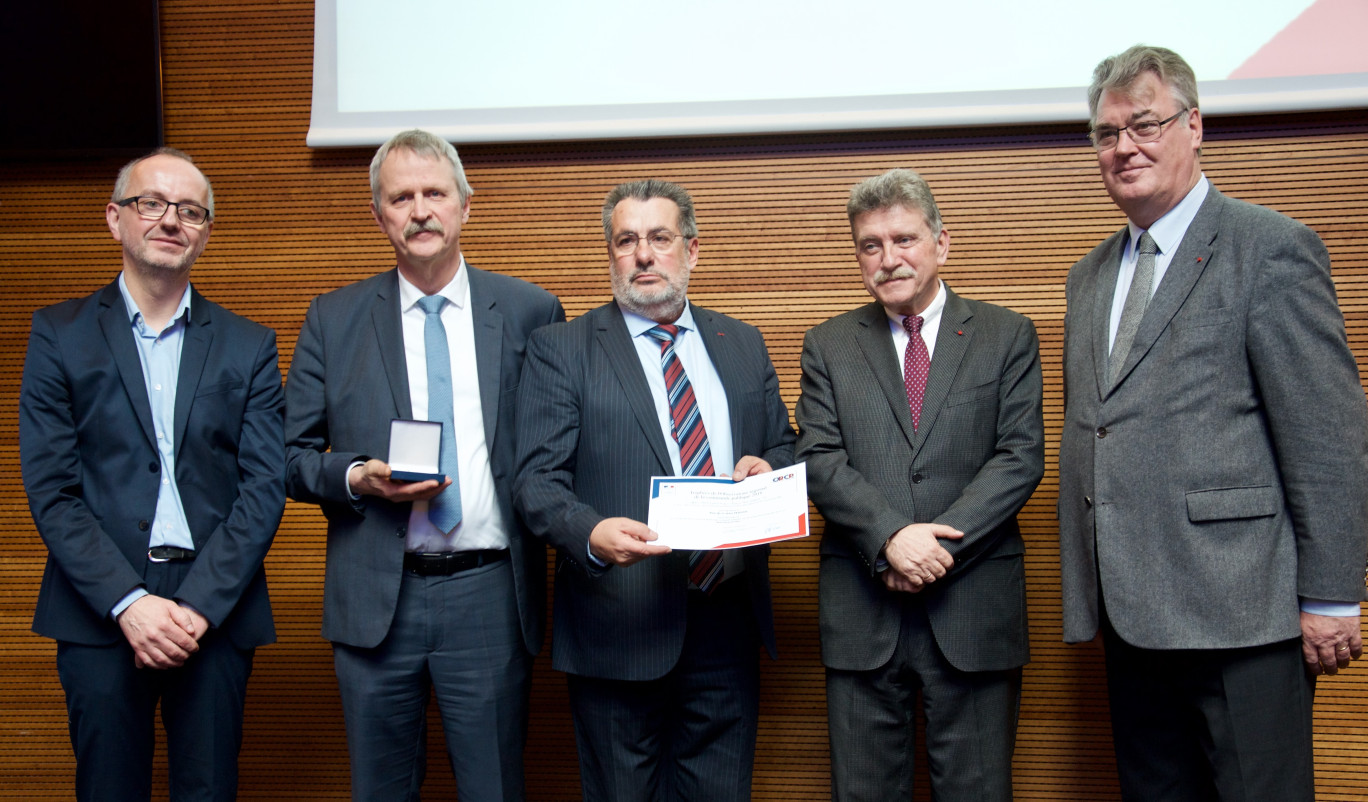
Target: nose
170, 219
1124, 143
888, 257
643, 253
420, 209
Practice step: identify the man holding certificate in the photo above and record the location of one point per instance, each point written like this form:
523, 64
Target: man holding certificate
661, 646
921, 426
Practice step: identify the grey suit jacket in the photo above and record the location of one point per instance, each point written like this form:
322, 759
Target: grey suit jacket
972, 463
1226, 472
589, 443
347, 381
91, 470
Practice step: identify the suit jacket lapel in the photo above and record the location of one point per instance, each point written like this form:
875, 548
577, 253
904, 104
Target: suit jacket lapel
1106, 270
119, 337
1186, 266
389, 333
728, 372
611, 331
488, 325
952, 340
194, 350
876, 343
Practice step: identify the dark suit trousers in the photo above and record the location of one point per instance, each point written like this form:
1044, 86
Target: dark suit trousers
688, 736
971, 720
1201, 725
459, 635
111, 708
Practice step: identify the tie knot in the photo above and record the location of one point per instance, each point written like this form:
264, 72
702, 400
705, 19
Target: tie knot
665, 332
431, 304
912, 325
1148, 247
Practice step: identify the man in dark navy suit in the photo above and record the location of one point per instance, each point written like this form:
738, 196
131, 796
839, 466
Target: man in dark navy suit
152, 451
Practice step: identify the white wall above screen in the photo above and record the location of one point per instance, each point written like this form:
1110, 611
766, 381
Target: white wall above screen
538, 70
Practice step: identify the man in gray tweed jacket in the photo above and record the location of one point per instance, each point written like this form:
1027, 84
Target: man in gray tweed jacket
1213, 497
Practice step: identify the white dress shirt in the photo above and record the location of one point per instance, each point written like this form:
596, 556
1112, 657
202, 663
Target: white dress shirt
482, 525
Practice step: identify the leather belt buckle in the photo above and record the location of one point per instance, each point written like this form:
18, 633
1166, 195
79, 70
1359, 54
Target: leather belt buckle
166, 554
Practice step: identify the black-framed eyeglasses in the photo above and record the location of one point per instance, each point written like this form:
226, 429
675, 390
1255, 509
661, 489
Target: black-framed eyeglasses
1105, 138
152, 208
660, 240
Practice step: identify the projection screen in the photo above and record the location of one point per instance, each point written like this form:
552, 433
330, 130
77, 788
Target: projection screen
538, 70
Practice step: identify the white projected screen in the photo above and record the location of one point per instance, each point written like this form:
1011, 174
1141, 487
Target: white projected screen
539, 70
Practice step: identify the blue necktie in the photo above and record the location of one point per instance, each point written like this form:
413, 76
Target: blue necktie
445, 510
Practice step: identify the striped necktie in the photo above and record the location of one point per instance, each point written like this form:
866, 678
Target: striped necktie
686, 424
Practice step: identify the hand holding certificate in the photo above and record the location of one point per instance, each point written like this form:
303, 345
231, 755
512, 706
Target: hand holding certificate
701, 512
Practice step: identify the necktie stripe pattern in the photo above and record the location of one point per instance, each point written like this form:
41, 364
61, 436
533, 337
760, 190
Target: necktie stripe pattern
916, 366
444, 511
686, 424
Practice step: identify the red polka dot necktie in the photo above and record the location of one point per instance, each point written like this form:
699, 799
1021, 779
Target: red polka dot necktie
916, 364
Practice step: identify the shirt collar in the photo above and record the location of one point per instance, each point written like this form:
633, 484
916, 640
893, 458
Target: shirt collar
929, 314
134, 313
1168, 230
457, 291
638, 325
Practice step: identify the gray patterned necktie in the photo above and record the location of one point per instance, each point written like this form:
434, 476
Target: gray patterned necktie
1134, 309
444, 511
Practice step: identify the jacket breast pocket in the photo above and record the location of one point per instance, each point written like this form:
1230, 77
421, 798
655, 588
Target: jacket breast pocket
218, 387
968, 395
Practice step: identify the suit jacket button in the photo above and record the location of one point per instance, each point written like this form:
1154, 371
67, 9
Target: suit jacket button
1087, 500
153, 467
143, 525
401, 532
1101, 432
917, 478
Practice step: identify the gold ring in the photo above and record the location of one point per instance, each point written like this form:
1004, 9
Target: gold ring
1344, 648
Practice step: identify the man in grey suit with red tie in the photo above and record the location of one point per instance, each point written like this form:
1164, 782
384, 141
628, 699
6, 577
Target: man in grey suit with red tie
661, 647
150, 441
430, 585
920, 422
1213, 469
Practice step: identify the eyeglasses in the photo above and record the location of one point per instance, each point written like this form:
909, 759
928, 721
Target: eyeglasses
1140, 132
150, 208
660, 241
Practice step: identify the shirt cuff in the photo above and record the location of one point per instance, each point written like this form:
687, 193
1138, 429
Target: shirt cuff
596, 562
1333, 609
133, 595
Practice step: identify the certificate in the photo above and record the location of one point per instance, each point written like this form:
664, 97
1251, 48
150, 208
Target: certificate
704, 512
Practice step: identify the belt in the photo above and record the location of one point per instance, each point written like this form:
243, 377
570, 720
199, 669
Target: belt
170, 554
447, 563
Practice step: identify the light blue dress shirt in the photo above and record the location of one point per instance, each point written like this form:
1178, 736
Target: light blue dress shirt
160, 352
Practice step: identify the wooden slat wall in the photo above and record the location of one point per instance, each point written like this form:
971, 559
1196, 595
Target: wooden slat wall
1022, 203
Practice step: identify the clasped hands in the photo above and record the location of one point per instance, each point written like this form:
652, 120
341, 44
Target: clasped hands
163, 634
916, 557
